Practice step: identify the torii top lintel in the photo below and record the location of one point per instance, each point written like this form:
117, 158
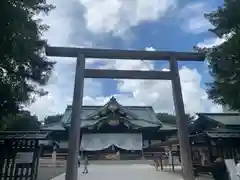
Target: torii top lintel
123, 54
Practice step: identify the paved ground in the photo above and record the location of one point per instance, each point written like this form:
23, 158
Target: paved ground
99, 170
47, 173
123, 172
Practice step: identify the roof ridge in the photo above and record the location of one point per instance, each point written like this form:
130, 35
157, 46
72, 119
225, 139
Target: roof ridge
227, 114
44, 125
111, 101
153, 112
84, 106
98, 110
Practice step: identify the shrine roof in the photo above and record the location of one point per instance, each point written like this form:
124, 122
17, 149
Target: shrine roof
24, 135
143, 116
218, 133
223, 133
213, 134
228, 119
168, 127
58, 126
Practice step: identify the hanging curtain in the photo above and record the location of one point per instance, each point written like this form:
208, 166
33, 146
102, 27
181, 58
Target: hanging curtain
96, 142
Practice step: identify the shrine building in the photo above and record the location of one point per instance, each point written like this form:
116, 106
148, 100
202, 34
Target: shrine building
112, 128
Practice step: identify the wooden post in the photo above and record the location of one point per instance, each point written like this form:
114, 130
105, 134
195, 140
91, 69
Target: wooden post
161, 161
221, 153
185, 152
142, 154
210, 150
172, 159
74, 132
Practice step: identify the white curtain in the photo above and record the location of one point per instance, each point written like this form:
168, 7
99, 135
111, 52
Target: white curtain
96, 142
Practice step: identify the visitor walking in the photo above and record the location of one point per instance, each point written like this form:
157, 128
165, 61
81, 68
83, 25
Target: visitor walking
238, 166
85, 170
79, 159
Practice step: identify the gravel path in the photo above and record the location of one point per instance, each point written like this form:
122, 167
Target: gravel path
104, 170
47, 173
124, 172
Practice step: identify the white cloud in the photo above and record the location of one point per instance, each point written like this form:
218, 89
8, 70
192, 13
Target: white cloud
60, 85
211, 42
60, 95
149, 49
117, 16
159, 93
208, 43
192, 17
125, 99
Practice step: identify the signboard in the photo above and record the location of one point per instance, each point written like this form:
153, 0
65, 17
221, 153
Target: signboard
24, 157
113, 122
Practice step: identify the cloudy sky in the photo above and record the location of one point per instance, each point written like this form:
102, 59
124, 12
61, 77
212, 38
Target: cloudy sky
129, 24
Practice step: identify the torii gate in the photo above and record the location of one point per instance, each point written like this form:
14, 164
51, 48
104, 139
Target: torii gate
81, 73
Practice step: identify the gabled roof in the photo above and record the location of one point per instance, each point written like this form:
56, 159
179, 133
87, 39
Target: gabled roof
223, 133
112, 103
214, 133
139, 115
168, 127
54, 126
206, 121
228, 119
24, 135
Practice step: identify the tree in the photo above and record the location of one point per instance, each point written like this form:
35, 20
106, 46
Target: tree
23, 64
224, 59
23, 121
52, 119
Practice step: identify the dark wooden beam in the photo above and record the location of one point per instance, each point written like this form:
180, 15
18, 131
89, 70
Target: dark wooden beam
123, 54
126, 74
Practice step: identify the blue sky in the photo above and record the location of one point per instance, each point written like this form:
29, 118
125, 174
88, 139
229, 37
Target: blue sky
129, 24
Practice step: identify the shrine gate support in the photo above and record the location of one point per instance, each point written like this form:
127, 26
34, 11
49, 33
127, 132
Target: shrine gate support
19, 154
81, 73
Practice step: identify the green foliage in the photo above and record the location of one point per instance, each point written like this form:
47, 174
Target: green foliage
224, 59
23, 64
52, 119
23, 121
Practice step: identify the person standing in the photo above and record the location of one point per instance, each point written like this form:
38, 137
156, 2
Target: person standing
85, 170
238, 166
79, 159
